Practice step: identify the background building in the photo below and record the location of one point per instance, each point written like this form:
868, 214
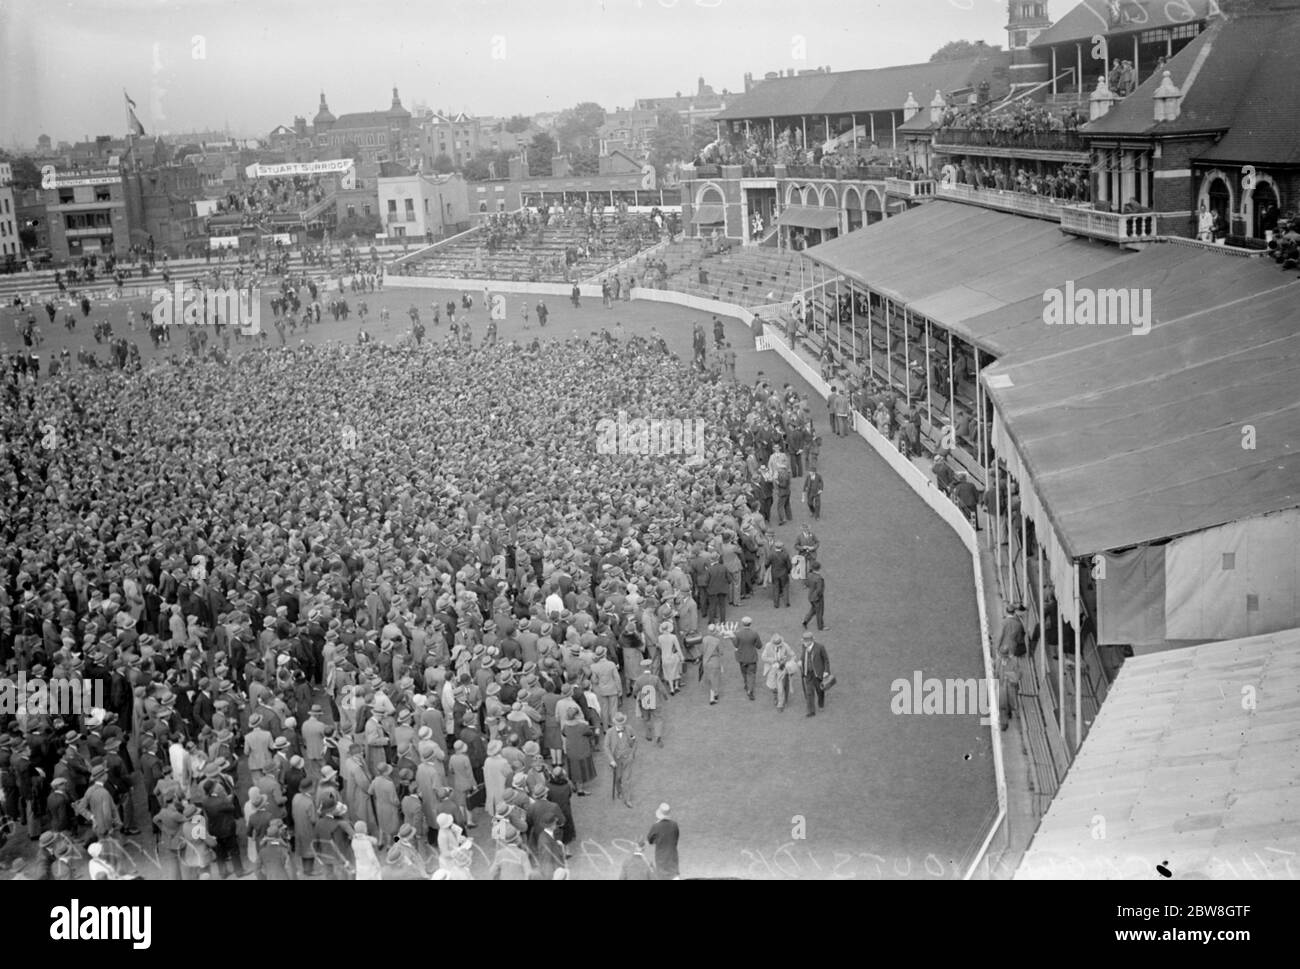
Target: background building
426, 207
87, 213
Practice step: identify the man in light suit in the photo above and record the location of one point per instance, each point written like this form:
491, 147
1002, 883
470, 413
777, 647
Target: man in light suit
257, 744
816, 664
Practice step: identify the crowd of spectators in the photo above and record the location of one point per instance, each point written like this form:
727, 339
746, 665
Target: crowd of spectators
1069, 183
273, 196
403, 612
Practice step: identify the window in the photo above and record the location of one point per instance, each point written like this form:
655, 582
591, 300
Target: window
1185, 31
410, 210
66, 196
426, 206
352, 211
365, 209
392, 206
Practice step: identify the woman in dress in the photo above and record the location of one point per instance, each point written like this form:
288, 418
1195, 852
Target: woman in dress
671, 656
388, 807
577, 751
364, 855
561, 795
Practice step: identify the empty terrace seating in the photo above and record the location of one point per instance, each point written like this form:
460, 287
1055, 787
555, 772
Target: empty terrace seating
754, 276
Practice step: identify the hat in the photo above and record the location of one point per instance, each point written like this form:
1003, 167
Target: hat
747, 621
647, 662
532, 749
620, 719
47, 839
405, 833
494, 748
807, 636
445, 821
316, 710
280, 743
460, 746
328, 773
663, 812
254, 720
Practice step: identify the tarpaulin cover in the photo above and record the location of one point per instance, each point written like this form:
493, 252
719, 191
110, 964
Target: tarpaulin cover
809, 217
1180, 771
1238, 580
708, 215
1131, 597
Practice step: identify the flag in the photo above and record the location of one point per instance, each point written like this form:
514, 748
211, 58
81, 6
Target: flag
133, 123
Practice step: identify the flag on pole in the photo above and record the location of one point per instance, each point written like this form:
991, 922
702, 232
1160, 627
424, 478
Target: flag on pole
133, 123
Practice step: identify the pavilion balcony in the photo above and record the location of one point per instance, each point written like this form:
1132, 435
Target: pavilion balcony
860, 173
911, 188
1018, 203
1119, 228
1022, 140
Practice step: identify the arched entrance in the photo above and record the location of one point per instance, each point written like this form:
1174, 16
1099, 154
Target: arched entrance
853, 208
1264, 205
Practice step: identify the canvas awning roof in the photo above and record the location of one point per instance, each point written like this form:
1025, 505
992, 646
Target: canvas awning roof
809, 217
951, 261
1132, 439
1181, 772
1127, 439
709, 215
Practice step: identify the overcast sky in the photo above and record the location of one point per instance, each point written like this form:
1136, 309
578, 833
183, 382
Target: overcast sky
253, 64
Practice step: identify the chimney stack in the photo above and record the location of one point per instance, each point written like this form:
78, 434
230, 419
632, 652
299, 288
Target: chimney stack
911, 107
1168, 99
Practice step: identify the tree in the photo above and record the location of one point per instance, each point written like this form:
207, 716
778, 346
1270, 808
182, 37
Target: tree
518, 124
578, 127
442, 164
487, 165
540, 152
673, 141
584, 163
26, 174
957, 50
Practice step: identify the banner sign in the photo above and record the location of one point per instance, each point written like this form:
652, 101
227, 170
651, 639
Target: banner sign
56, 179
223, 242
300, 168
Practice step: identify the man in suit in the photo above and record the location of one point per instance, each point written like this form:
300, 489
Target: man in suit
816, 664
748, 646
816, 596
812, 493
257, 745
717, 588
780, 563
314, 732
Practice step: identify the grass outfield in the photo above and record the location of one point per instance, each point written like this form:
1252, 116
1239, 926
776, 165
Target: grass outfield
856, 792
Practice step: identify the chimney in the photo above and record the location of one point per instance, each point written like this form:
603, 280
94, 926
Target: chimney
1102, 100
1168, 99
911, 107
937, 107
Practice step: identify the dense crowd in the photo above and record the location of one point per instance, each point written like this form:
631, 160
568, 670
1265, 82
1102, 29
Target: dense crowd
273, 196
404, 611
1070, 183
